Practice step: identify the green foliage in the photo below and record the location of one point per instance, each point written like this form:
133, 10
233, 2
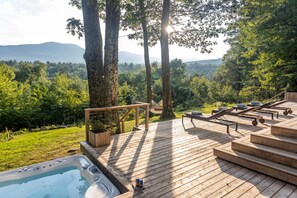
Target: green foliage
28, 99
97, 126
36, 95
262, 59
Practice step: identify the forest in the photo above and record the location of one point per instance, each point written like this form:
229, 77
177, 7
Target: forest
35, 94
260, 63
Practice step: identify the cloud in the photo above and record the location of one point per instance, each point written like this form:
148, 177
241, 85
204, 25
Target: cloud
38, 21
35, 21
23, 7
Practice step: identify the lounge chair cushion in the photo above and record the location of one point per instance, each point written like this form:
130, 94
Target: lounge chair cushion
222, 108
255, 103
241, 106
197, 113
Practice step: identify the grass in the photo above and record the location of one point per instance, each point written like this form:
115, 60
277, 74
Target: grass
31, 148
35, 147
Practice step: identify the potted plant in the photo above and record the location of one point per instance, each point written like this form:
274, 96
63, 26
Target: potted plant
98, 135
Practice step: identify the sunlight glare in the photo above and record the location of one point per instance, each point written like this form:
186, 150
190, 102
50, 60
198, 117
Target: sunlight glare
169, 29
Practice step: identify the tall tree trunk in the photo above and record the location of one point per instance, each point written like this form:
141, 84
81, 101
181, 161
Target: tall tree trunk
149, 95
111, 50
111, 54
167, 98
93, 53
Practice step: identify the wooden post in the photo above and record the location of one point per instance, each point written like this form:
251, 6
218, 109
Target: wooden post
123, 126
136, 116
147, 117
87, 123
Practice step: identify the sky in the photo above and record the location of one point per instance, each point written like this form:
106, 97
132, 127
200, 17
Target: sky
39, 21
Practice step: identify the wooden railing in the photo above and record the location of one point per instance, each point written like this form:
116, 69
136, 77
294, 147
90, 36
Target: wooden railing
279, 95
130, 108
291, 96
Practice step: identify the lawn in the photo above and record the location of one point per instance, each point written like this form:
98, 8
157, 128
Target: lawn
34, 147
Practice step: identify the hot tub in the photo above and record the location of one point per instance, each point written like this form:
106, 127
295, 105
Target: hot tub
73, 177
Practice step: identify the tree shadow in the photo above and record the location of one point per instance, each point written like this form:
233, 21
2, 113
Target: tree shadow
137, 152
251, 128
116, 155
158, 179
205, 134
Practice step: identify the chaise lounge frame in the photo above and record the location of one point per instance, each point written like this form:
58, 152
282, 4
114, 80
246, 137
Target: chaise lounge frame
215, 118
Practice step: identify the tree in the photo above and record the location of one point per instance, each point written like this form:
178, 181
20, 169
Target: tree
263, 49
103, 79
166, 86
93, 53
111, 51
194, 24
138, 20
146, 53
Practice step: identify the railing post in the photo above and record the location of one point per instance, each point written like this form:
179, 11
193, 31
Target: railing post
137, 116
87, 123
147, 117
123, 126
286, 95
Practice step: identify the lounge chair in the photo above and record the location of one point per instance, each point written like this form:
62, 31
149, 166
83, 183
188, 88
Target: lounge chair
273, 105
215, 118
287, 110
156, 108
261, 109
244, 112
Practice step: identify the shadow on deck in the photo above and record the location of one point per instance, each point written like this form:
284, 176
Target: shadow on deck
177, 160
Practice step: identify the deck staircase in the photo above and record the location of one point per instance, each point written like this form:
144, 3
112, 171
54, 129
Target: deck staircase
272, 151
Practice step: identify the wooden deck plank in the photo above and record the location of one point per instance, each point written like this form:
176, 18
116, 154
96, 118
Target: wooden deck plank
272, 189
175, 151
214, 187
293, 194
233, 185
258, 188
285, 191
177, 160
245, 186
158, 147
181, 187
180, 177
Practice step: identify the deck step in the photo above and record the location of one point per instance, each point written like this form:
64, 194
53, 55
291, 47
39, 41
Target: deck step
287, 131
280, 142
265, 152
286, 128
273, 169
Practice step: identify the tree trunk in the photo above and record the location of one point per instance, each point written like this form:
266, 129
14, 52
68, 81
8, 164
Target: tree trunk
111, 51
149, 95
93, 53
111, 54
167, 98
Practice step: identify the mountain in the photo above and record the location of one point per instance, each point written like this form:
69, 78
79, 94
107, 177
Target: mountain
57, 52
128, 57
203, 67
51, 51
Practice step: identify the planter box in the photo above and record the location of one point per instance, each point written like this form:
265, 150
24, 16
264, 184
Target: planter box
99, 139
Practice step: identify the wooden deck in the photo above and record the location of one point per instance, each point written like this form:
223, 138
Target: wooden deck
178, 161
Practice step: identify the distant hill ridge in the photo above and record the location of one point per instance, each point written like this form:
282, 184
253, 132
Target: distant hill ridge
60, 52
203, 67
57, 52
